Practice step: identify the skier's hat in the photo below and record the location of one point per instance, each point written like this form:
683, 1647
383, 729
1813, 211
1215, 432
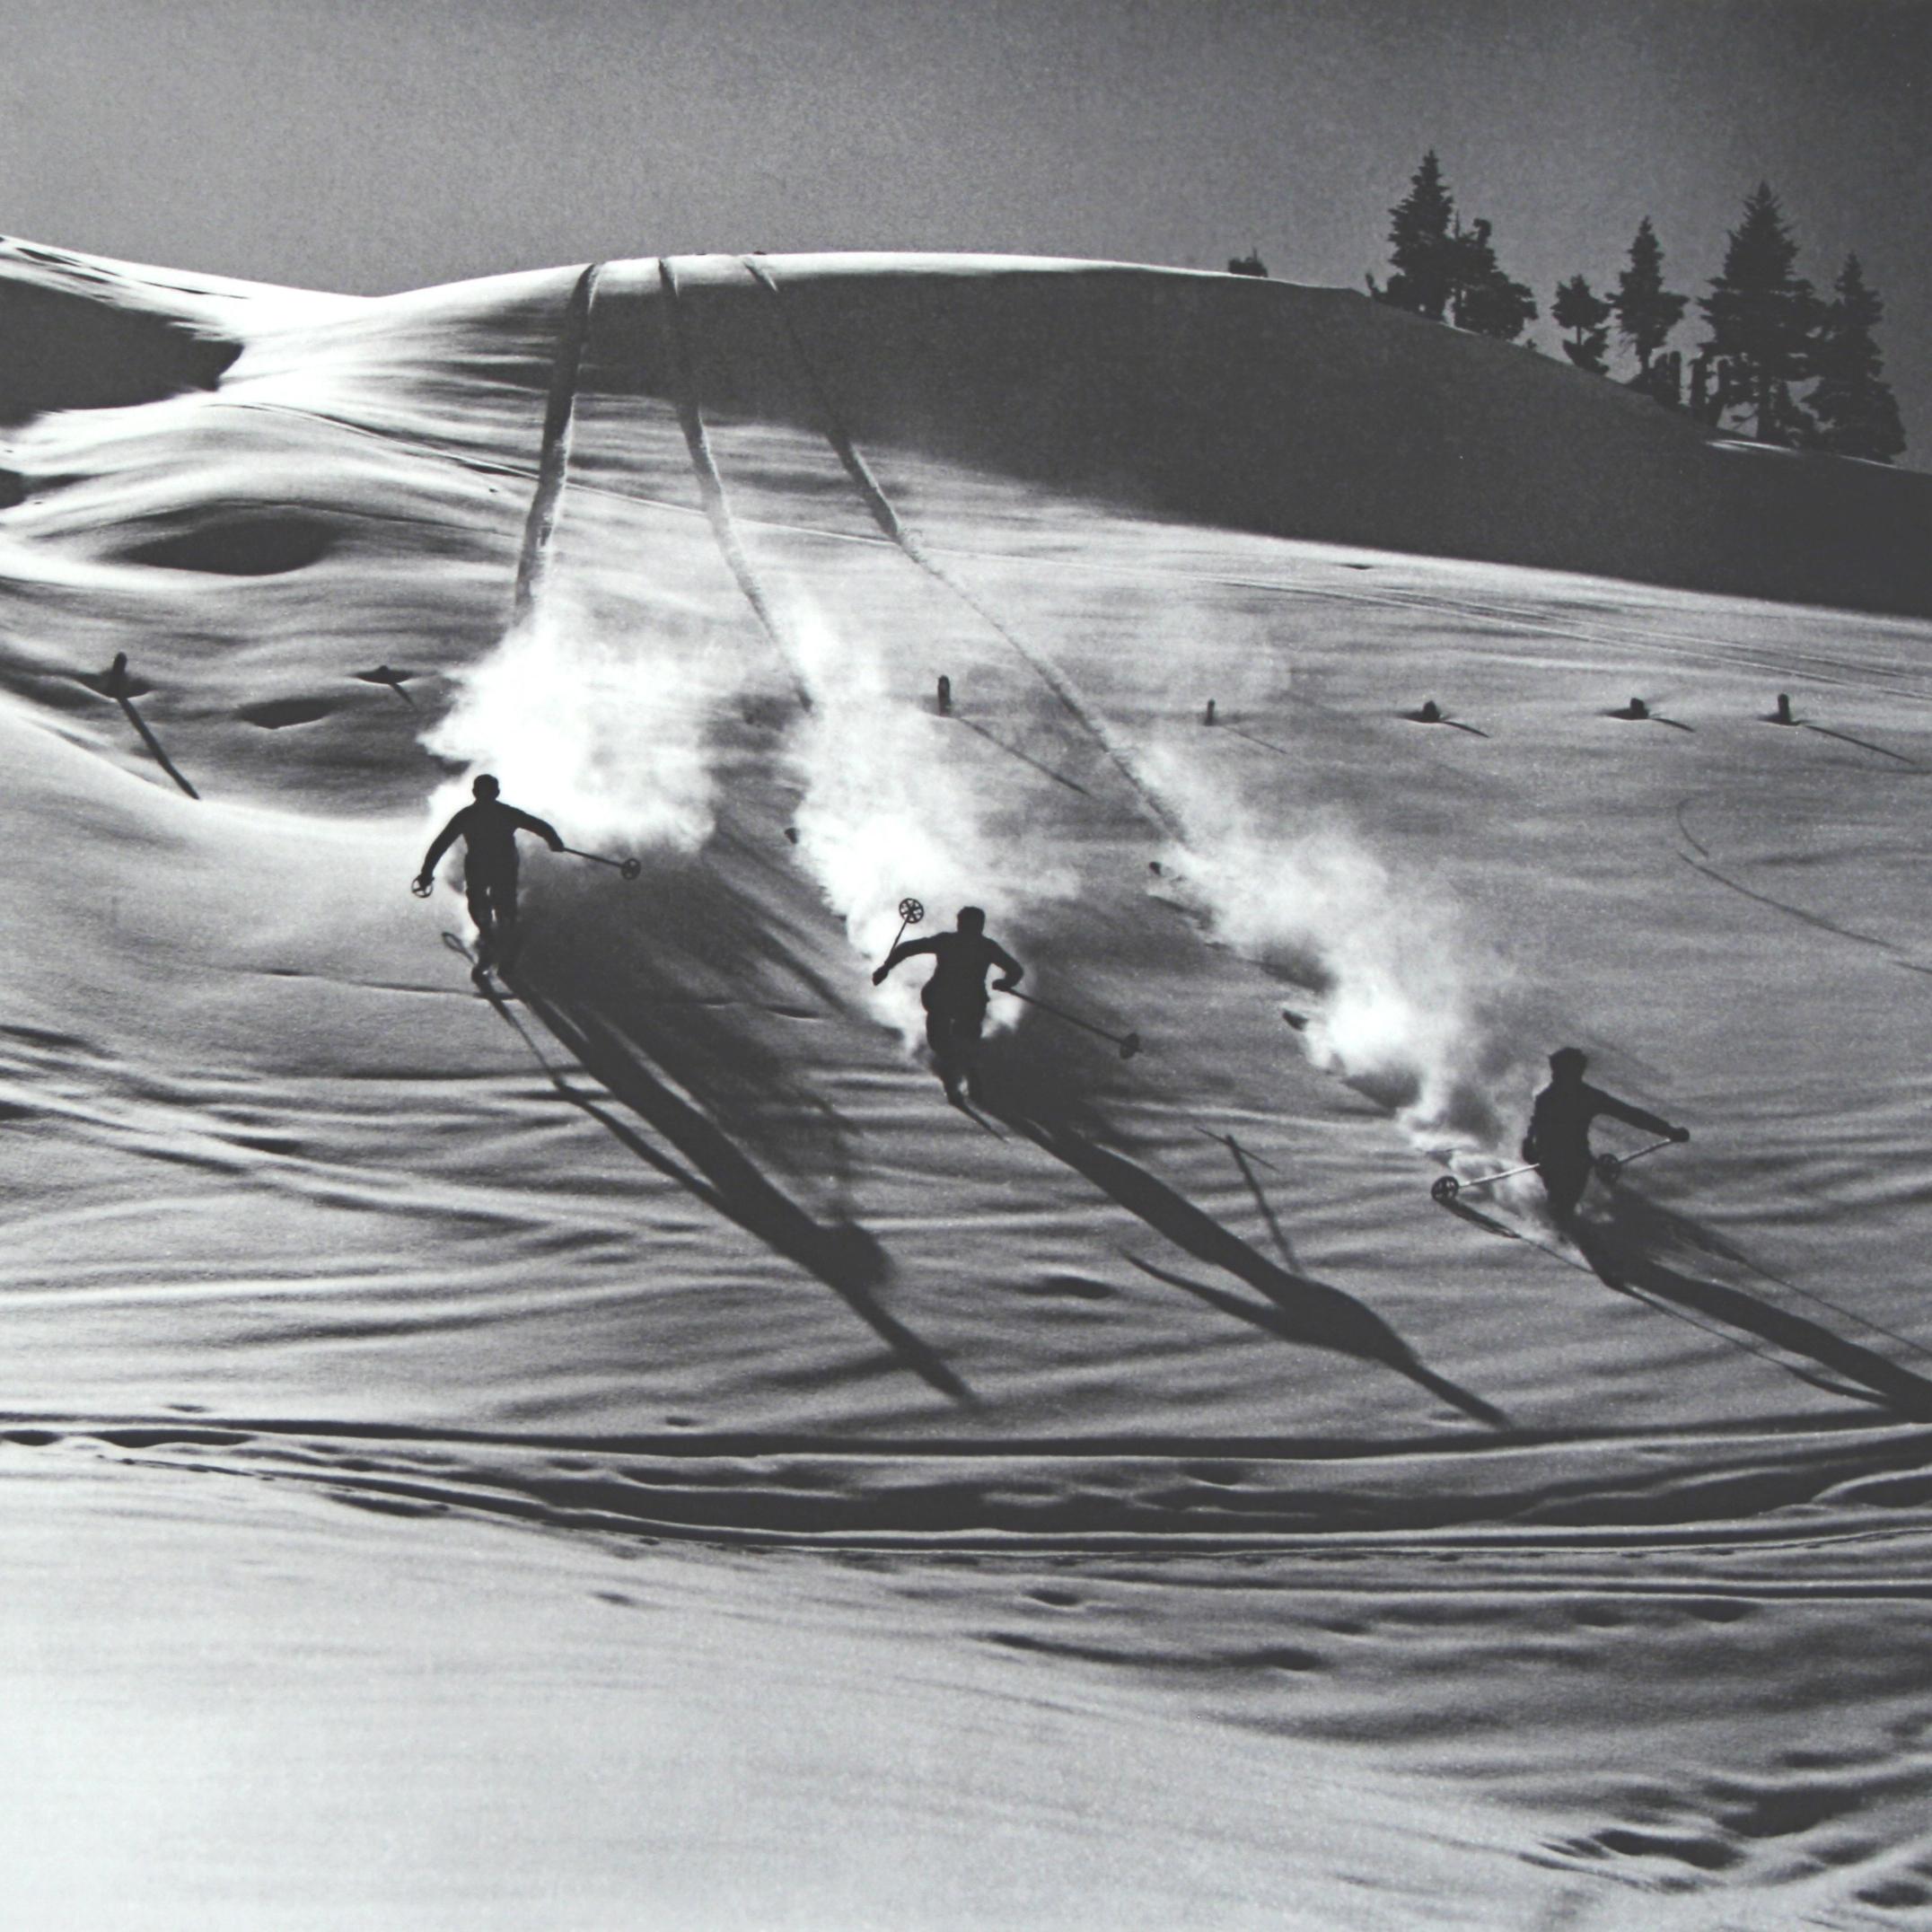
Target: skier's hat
1568, 1061
972, 920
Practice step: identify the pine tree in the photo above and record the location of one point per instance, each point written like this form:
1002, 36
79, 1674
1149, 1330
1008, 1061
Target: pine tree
1761, 315
1646, 311
1580, 310
1482, 299
1420, 245
1445, 271
1853, 402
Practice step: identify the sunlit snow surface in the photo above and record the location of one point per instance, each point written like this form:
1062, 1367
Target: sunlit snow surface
775, 1498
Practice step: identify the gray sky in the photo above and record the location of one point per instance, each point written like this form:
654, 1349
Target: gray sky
377, 144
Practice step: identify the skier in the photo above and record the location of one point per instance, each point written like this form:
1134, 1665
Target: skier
488, 830
955, 997
1558, 1138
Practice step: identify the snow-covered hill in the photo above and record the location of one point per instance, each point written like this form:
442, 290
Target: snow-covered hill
775, 1497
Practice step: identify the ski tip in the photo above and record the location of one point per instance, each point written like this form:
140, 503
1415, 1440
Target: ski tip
1298, 1021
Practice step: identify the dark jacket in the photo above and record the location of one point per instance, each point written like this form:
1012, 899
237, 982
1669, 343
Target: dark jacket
1560, 1122
963, 960
488, 829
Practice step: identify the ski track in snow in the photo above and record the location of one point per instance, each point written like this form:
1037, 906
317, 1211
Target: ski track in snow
1131, 1495
894, 527
718, 504
553, 461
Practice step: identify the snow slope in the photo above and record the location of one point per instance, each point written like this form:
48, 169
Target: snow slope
773, 1497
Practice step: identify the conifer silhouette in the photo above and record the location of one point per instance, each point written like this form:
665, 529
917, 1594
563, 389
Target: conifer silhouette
1420, 245
1856, 413
1584, 312
1445, 271
1761, 315
1482, 298
1646, 310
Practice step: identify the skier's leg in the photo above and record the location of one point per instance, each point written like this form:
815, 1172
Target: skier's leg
503, 905
477, 890
1564, 1184
969, 1024
940, 1038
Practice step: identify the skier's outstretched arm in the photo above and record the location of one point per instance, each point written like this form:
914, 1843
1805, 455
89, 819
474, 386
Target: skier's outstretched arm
442, 843
1011, 970
903, 951
548, 833
1651, 1123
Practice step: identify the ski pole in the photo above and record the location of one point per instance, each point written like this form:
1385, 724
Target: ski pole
629, 867
1609, 1165
1448, 1187
1129, 1043
911, 913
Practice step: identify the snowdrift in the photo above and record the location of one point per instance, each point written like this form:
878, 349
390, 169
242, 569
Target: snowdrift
628, 1403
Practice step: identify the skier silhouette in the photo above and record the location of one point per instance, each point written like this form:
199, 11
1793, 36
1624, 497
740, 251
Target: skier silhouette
955, 996
488, 830
1558, 1137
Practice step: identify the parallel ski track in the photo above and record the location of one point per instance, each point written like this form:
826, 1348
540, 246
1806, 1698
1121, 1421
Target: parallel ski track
711, 485
893, 528
615, 1495
1879, 1444
553, 462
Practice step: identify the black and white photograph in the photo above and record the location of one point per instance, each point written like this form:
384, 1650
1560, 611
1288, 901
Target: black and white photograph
968, 965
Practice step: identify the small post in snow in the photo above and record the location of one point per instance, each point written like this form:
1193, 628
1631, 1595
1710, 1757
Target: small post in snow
114, 682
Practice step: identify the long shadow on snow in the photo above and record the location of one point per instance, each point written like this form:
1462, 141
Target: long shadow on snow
688, 976
845, 1256
1625, 1252
1300, 1309
692, 968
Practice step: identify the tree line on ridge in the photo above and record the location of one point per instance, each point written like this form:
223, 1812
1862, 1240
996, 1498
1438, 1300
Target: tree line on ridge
1767, 332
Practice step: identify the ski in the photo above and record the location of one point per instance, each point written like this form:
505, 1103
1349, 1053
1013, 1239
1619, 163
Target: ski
480, 973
